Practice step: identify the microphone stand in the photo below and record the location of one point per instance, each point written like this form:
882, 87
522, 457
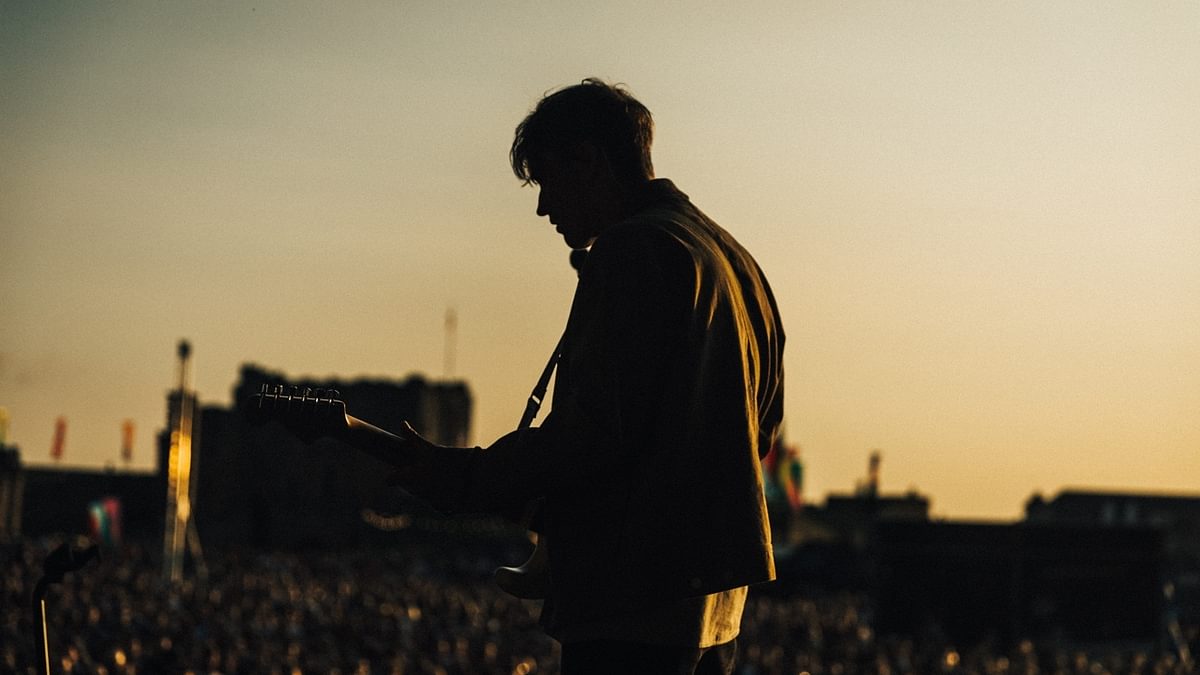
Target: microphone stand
65, 558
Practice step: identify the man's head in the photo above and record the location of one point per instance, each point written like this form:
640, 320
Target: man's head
588, 148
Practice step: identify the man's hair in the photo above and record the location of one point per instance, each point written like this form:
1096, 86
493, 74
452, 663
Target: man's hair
592, 111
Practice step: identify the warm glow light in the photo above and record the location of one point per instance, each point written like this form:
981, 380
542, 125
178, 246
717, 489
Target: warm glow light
178, 487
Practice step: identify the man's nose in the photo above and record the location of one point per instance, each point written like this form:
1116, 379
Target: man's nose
541, 204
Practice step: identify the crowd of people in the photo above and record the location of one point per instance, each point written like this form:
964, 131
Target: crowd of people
429, 607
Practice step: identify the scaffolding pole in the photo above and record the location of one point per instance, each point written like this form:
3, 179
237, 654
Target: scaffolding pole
178, 529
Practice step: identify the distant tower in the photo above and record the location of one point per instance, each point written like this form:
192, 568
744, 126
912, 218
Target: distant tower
869, 487
178, 527
450, 344
873, 474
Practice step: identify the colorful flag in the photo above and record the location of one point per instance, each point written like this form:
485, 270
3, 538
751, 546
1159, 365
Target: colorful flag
791, 475
127, 441
771, 487
104, 516
60, 438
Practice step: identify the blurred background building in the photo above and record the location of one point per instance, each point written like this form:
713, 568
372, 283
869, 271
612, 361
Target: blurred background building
253, 486
1084, 568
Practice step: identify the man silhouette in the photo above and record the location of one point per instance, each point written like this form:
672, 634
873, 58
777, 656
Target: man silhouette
669, 390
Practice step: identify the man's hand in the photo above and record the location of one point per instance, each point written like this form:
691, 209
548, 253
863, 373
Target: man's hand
417, 440
416, 446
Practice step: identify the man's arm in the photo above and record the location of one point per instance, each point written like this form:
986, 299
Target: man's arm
622, 326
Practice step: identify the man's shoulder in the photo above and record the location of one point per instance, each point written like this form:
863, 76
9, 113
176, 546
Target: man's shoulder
662, 224
651, 227
670, 231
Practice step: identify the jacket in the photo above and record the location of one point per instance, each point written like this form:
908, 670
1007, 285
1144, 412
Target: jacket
669, 391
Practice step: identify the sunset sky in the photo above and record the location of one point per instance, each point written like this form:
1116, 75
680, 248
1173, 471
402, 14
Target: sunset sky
981, 219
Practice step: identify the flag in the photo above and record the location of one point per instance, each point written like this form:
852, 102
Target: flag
790, 473
127, 440
60, 438
771, 488
104, 516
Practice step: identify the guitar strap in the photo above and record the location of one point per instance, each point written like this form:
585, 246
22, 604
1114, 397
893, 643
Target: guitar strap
533, 510
539, 390
578, 257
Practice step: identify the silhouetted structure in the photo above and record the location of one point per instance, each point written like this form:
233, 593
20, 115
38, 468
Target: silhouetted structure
58, 500
1176, 517
1070, 575
826, 547
12, 490
969, 583
179, 530
259, 486
853, 517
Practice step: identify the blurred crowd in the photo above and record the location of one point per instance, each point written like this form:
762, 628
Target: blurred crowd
426, 607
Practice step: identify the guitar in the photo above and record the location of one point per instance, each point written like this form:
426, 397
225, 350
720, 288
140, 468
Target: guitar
314, 413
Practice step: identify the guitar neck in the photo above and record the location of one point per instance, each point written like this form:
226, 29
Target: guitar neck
379, 443
321, 412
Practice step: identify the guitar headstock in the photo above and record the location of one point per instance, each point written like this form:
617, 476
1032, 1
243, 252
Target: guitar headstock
310, 413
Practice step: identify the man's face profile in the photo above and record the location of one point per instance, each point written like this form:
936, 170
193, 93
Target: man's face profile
567, 197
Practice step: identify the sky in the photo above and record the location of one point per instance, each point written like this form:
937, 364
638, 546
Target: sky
981, 220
